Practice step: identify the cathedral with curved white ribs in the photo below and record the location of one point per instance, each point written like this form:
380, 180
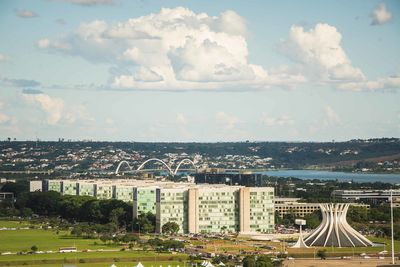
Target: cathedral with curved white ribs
334, 229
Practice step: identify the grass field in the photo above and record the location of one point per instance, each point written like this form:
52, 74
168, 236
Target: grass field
119, 264
45, 240
91, 258
48, 240
14, 224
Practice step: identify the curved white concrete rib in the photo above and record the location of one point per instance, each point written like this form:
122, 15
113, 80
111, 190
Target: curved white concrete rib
334, 229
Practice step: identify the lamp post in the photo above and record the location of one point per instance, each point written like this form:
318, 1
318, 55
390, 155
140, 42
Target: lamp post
138, 224
391, 222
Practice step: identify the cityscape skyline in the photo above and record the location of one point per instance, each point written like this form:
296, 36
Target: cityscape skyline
189, 71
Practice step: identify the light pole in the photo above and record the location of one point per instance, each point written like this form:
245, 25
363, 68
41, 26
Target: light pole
391, 222
139, 228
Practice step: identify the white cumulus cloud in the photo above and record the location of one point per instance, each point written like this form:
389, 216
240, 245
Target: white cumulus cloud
56, 110
177, 49
274, 121
380, 15
51, 105
227, 121
89, 2
320, 54
391, 82
144, 74
47, 44
4, 118
181, 119
3, 58
173, 49
25, 13
331, 117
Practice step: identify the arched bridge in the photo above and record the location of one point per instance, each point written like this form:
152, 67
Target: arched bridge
170, 170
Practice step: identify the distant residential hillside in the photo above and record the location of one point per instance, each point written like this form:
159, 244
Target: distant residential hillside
80, 156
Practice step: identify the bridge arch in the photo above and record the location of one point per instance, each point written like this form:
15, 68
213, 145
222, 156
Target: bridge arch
170, 170
158, 160
184, 161
120, 164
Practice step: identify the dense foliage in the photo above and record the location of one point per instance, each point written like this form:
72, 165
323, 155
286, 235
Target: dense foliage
170, 228
144, 223
165, 245
77, 208
257, 261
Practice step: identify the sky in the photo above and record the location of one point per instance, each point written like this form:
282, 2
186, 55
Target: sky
203, 71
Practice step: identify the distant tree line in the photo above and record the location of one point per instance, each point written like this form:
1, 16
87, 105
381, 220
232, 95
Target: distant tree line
72, 208
259, 261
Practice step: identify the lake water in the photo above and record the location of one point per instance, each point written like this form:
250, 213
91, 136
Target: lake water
341, 176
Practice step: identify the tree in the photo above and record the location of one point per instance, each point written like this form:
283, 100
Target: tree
34, 248
220, 258
313, 219
223, 229
145, 223
116, 216
357, 214
289, 218
260, 261
21, 186
170, 228
90, 211
249, 261
105, 238
264, 261
321, 254
278, 219
155, 242
44, 203
129, 238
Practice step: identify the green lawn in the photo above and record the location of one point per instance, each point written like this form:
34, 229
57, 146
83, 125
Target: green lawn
45, 240
119, 264
23, 240
82, 255
14, 224
121, 258
388, 243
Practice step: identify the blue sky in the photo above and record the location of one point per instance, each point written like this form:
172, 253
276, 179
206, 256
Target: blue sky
199, 70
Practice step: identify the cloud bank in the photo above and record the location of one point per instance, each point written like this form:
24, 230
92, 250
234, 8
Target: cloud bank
174, 49
178, 49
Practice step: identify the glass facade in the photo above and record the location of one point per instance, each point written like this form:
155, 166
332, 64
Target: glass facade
218, 211
69, 187
87, 189
124, 193
54, 185
172, 206
104, 191
262, 210
146, 200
